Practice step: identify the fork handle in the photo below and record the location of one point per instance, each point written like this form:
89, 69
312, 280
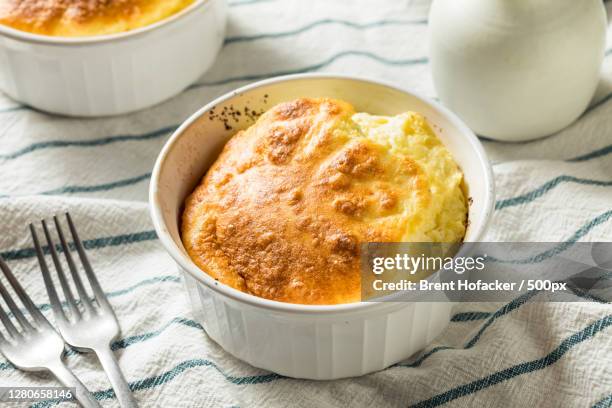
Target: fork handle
117, 380
68, 379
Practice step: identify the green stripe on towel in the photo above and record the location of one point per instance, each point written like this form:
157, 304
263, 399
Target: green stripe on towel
581, 232
161, 379
95, 243
98, 187
545, 188
55, 144
592, 155
470, 316
318, 23
604, 403
519, 369
128, 341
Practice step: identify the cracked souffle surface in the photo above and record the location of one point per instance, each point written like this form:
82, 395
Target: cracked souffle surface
77, 18
282, 211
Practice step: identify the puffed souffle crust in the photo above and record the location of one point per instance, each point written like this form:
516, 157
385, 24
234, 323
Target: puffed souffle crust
282, 212
80, 18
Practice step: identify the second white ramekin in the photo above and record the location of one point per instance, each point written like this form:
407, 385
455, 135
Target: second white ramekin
112, 74
306, 341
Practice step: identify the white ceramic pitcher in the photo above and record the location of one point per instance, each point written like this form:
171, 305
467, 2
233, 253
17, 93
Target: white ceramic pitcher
517, 69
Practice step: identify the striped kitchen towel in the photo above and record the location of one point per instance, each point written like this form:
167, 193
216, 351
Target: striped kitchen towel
522, 353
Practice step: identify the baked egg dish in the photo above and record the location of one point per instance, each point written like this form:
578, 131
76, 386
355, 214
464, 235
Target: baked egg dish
282, 212
79, 18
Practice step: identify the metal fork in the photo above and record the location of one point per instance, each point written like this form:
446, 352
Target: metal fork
94, 327
37, 346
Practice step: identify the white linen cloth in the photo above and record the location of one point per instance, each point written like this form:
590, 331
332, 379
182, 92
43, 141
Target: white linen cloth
519, 354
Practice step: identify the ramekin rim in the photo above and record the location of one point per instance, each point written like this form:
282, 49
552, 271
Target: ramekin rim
29, 37
185, 263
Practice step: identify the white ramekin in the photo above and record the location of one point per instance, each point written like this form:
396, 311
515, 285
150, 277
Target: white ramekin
112, 74
307, 341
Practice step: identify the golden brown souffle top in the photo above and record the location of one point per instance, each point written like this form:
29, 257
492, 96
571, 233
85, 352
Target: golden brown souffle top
78, 18
282, 211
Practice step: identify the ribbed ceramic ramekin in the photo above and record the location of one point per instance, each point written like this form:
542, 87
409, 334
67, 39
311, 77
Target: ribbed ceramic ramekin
306, 341
112, 74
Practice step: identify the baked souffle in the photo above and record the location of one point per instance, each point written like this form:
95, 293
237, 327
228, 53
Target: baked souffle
79, 18
282, 212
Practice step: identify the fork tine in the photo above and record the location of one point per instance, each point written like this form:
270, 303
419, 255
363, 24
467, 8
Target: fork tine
55, 303
60, 273
73, 271
98, 292
27, 326
27, 301
10, 327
